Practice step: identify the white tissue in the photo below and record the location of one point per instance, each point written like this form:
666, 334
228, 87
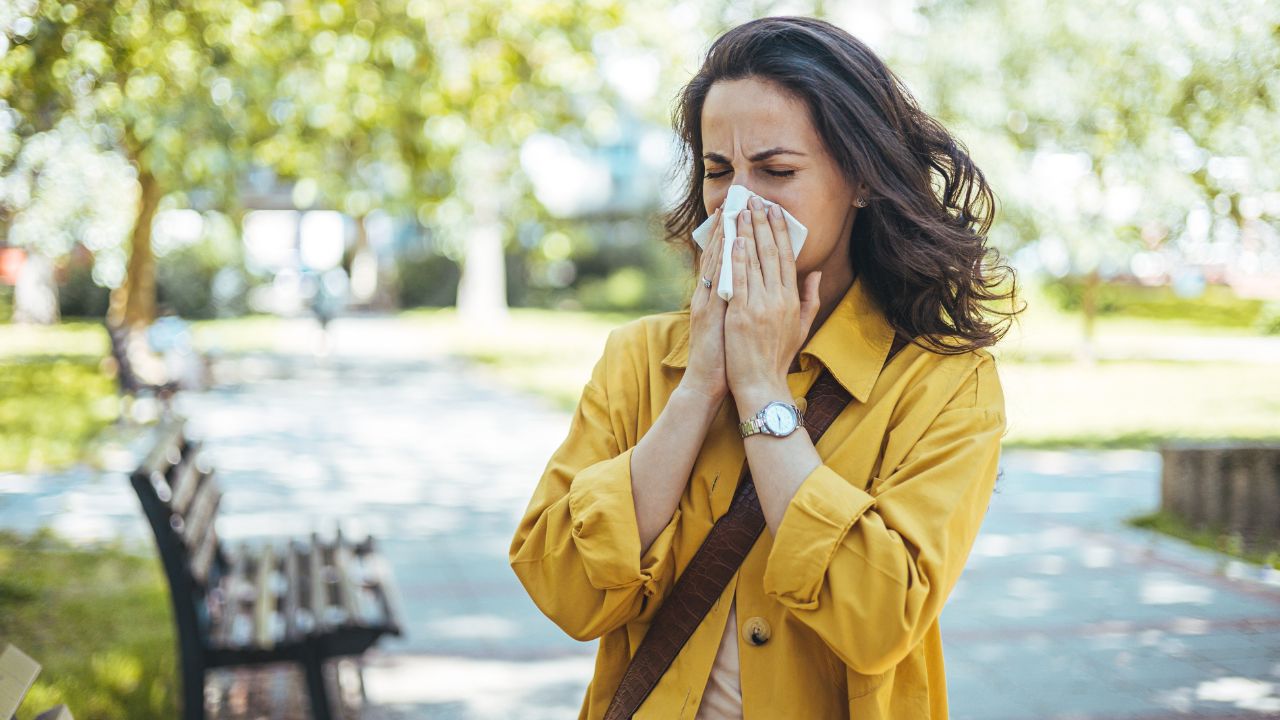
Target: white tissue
735, 202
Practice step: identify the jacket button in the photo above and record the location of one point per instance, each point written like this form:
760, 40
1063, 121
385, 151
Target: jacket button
756, 630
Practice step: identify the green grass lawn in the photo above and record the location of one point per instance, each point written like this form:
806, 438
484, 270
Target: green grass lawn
53, 397
1052, 402
1138, 404
99, 623
1261, 552
51, 408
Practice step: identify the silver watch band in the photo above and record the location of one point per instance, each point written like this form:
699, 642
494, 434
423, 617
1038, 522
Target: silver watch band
755, 424
751, 426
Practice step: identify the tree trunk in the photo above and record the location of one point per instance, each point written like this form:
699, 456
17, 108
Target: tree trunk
134, 302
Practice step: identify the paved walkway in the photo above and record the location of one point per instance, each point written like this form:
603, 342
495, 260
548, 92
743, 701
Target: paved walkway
1063, 611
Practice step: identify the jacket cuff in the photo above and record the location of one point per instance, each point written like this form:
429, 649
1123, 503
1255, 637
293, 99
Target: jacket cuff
602, 513
813, 526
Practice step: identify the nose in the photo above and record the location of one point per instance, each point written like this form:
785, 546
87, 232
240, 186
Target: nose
720, 197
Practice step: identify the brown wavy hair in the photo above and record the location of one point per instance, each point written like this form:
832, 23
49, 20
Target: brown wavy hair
921, 249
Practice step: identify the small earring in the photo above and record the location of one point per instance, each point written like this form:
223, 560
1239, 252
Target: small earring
860, 202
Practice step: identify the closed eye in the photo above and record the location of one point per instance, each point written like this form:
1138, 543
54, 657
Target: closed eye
775, 173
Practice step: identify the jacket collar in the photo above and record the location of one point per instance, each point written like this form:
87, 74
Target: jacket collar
852, 343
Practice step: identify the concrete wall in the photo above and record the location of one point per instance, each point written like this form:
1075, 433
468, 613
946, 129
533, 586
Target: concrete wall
1231, 486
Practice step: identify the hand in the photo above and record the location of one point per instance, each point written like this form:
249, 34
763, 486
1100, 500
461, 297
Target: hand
767, 320
705, 373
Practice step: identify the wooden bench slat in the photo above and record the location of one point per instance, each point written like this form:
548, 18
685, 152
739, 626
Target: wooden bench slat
368, 586
263, 599
363, 587
295, 603
184, 480
345, 565
203, 509
292, 592
319, 588
234, 589
203, 556
168, 437
382, 582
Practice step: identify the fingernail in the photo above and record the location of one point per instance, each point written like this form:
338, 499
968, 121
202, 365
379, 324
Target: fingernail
737, 243
755, 203
774, 212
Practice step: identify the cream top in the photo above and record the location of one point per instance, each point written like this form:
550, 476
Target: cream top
723, 697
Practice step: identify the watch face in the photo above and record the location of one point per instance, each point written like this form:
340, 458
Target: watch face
779, 418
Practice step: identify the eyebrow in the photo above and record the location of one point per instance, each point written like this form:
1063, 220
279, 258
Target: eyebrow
762, 155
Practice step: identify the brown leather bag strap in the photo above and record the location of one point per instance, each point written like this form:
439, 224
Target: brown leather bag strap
716, 561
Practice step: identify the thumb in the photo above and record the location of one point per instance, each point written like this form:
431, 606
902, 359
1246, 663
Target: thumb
810, 303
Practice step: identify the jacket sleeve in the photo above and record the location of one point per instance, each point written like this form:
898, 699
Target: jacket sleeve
577, 548
869, 573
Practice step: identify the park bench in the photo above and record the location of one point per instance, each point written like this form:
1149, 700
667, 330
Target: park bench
130, 384
300, 601
17, 673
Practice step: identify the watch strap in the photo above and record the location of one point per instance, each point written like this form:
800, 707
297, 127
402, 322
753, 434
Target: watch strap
754, 425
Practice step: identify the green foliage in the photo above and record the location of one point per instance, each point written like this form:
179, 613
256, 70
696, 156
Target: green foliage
50, 409
413, 107
1211, 538
6, 303
146, 74
184, 281
427, 281
97, 620
1217, 306
79, 295
631, 272
1268, 320
1108, 126
626, 288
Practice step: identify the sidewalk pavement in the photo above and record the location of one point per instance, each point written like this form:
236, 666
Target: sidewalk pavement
1063, 610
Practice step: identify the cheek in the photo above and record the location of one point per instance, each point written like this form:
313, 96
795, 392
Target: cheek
807, 204
713, 195
824, 218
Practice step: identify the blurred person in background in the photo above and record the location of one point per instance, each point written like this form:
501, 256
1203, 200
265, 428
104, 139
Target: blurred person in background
326, 293
170, 337
834, 611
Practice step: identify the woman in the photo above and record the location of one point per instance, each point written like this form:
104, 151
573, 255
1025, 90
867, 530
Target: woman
834, 611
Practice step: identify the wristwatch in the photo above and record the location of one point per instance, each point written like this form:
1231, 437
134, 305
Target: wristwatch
777, 418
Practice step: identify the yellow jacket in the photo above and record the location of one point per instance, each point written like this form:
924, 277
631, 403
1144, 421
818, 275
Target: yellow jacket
850, 588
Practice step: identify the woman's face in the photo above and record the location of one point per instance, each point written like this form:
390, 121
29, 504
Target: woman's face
756, 135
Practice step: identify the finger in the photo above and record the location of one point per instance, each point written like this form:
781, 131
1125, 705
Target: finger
740, 287
709, 249
809, 302
786, 253
766, 245
706, 265
716, 264
746, 230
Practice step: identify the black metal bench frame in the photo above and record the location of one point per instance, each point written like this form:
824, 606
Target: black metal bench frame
180, 499
128, 383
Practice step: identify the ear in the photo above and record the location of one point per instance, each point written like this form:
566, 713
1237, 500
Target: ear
859, 192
